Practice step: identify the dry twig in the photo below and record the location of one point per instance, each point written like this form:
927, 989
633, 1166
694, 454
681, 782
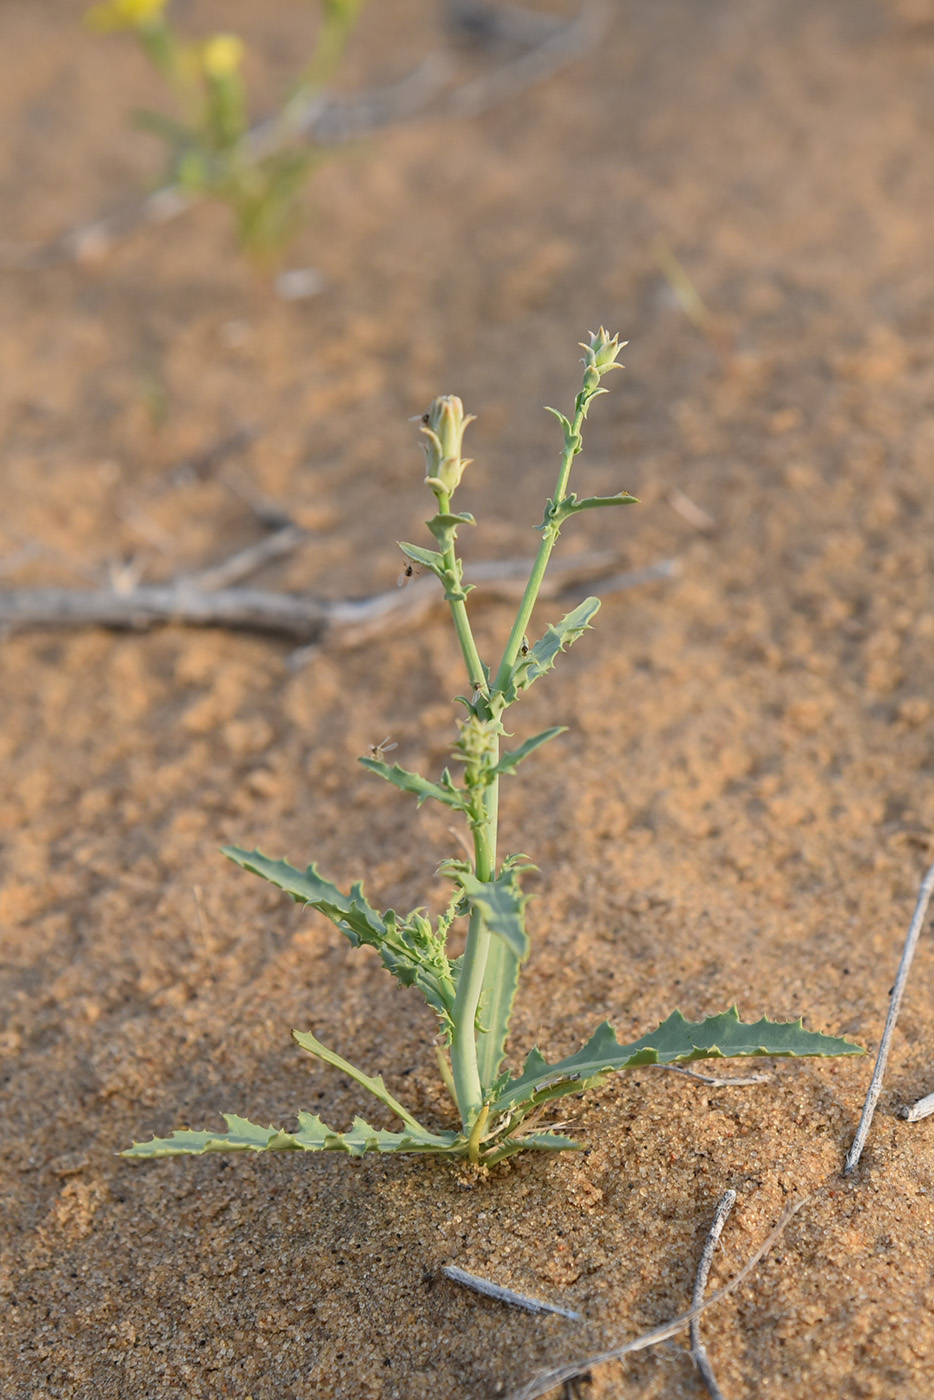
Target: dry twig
547, 1380
904, 967
345, 622
716, 1081
698, 1350
505, 1295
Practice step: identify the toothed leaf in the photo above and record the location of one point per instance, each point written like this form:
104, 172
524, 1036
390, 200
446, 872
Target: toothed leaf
312, 1136
542, 656
351, 913
412, 959
501, 903
675, 1041
415, 783
513, 757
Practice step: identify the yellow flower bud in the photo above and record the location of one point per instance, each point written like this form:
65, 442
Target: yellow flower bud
443, 426
222, 55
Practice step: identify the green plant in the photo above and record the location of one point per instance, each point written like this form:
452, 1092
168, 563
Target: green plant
259, 173
472, 995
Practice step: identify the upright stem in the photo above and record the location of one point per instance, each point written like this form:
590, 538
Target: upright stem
475, 672
550, 533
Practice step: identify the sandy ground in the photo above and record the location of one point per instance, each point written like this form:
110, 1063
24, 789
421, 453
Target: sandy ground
741, 811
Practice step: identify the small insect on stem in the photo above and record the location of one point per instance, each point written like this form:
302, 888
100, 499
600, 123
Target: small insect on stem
524, 649
411, 570
377, 750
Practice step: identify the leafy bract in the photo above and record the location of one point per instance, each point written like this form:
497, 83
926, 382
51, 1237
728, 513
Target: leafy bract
573, 503
675, 1041
312, 1136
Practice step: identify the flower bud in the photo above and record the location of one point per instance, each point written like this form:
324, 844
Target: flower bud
443, 426
222, 55
600, 355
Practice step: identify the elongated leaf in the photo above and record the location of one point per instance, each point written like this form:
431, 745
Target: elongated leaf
501, 902
513, 757
373, 1084
411, 958
542, 656
571, 504
545, 1142
428, 558
312, 1136
415, 783
351, 913
500, 981
675, 1041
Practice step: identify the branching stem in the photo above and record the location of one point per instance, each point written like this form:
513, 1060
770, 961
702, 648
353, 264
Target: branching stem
550, 532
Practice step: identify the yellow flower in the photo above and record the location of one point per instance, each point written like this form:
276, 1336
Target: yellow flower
125, 14
222, 55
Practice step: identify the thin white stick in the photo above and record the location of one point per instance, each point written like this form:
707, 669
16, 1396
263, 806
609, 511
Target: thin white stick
716, 1081
904, 967
698, 1350
504, 1295
547, 1380
913, 1113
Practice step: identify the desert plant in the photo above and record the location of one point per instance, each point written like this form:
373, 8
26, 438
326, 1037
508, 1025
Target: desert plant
213, 152
472, 995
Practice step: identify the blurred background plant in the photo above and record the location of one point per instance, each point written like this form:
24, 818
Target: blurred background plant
260, 172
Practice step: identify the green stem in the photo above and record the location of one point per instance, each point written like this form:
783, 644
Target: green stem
550, 534
467, 1083
475, 672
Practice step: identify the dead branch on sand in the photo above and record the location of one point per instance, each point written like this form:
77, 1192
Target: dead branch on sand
901, 980
548, 1380
206, 599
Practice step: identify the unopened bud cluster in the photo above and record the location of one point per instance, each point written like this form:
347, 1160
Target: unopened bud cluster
443, 426
600, 357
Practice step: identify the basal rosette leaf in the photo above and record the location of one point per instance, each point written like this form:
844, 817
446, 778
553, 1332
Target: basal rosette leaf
675, 1041
312, 1136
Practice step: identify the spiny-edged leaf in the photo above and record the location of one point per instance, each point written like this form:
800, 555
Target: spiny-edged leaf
542, 656
415, 783
351, 913
500, 980
312, 1136
403, 954
675, 1041
501, 902
571, 504
373, 1084
513, 757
